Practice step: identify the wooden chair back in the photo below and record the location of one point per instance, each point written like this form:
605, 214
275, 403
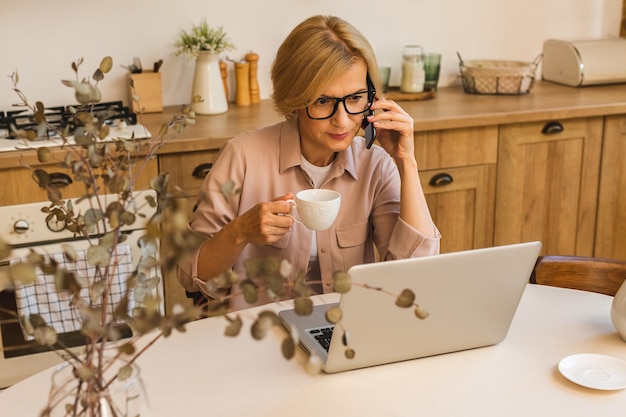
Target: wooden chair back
600, 275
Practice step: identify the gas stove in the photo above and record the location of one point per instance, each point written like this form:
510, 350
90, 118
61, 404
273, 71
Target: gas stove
122, 122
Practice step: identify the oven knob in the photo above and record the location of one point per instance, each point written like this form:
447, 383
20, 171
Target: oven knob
21, 226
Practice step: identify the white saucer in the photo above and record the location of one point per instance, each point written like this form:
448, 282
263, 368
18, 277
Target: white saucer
595, 371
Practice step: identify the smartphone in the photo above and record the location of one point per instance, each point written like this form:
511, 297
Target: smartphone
370, 131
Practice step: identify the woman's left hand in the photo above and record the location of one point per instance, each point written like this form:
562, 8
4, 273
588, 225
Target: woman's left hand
394, 128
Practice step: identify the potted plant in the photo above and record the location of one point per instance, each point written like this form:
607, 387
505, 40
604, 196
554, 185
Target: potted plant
204, 45
203, 38
85, 384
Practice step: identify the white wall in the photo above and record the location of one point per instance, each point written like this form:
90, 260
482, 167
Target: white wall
40, 39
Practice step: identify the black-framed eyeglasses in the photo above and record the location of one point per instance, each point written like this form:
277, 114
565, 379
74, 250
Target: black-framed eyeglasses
355, 103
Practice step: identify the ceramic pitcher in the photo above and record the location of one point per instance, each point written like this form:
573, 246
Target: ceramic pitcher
618, 311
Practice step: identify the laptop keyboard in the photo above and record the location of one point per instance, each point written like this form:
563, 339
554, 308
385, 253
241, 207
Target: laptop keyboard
322, 335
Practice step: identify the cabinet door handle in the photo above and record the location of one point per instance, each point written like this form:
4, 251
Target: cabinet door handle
202, 170
53, 179
440, 180
552, 128
59, 180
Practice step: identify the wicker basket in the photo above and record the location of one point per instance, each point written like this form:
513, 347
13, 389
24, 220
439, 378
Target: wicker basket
498, 77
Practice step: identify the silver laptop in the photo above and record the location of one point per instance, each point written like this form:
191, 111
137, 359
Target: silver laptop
470, 296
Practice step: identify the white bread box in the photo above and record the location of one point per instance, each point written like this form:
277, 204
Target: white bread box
585, 62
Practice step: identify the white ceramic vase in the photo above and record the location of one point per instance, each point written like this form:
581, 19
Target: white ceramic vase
207, 83
618, 311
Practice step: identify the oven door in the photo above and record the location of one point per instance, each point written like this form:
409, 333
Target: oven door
20, 358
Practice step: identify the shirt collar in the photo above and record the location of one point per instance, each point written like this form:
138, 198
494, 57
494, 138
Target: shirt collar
290, 151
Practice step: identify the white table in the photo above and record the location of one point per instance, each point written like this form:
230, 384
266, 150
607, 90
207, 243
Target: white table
203, 373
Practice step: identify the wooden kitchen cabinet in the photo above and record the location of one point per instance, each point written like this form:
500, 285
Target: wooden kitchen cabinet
458, 176
186, 172
23, 189
611, 220
547, 187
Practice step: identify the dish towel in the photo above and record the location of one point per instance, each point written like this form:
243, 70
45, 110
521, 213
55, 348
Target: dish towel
54, 307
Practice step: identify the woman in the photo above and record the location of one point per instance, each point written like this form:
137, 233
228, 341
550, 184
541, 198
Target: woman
320, 79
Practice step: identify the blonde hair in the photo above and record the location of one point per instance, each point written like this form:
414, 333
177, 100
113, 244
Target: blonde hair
316, 52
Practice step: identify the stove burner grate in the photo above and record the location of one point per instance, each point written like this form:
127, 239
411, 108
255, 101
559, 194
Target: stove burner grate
61, 118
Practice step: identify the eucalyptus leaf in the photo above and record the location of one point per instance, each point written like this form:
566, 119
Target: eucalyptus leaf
125, 372
35, 258
109, 240
96, 290
45, 335
334, 314
98, 256
93, 216
128, 218
140, 294
405, 299
118, 183
285, 268
228, 188
234, 327
44, 154
260, 327
41, 177
5, 249
66, 281
6, 282
314, 365
40, 115
24, 273
97, 75
303, 306
164, 129
27, 325
85, 372
69, 252
151, 283
127, 348
106, 64
342, 282
103, 131
54, 194
36, 321
151, 200
421, 313
250, 291
113, 333
288, 348
160, 183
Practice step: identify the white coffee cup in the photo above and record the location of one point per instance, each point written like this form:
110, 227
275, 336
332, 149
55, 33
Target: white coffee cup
317, 208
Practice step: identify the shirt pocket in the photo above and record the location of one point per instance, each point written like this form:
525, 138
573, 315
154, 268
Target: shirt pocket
351, 241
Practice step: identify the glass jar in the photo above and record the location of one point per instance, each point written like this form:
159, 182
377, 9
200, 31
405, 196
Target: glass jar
110, 395
412, 69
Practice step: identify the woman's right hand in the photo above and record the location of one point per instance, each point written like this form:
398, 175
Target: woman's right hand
265, 222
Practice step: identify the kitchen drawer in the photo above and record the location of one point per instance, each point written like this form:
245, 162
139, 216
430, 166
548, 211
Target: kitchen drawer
456, 147
20, 187
187, 171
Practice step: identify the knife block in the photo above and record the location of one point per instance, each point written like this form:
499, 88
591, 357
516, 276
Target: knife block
147, 86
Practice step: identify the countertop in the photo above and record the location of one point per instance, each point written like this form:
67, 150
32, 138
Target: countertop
450, 108
201, 372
